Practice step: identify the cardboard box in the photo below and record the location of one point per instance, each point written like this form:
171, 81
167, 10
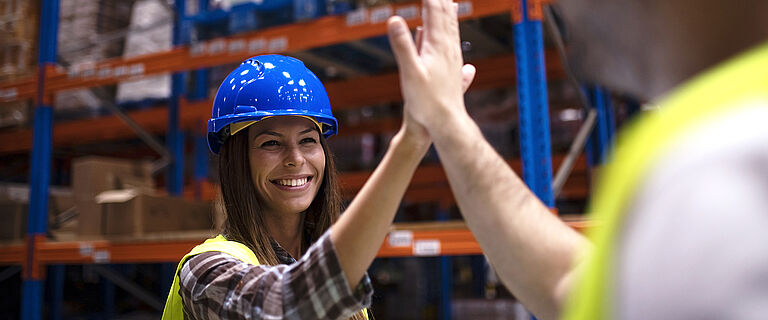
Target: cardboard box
14, 209
94, 175
133, 212
13, 220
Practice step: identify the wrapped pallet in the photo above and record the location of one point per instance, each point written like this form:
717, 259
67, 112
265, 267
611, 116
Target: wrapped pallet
150, 31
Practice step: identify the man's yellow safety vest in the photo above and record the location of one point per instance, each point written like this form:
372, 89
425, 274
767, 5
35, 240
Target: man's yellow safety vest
714, 93
174, 310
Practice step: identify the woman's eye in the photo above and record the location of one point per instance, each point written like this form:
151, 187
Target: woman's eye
308, 140
270, 143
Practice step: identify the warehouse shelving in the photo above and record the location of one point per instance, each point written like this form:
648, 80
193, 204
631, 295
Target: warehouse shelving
492, 72
530, 74
301, 36
444, 238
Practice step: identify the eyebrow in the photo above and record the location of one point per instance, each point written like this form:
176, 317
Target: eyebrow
308, 130
273, 133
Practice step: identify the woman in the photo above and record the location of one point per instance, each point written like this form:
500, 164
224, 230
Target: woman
270, 119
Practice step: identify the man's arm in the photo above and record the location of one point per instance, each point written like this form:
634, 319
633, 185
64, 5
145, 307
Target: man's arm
531, 249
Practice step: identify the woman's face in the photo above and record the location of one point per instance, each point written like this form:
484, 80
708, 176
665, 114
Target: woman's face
287, 163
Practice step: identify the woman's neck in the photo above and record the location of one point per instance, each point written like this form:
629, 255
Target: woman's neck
287, 230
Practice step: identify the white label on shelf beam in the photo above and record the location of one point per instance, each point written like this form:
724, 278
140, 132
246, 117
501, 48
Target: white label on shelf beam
137, 69
357, 17
9, 93
381, 14
408, 12
430, 247
217, 46
121, 71
87, 73
101, 256
105, 72
197, 49
236, 46
86, 249
465, 9
72, 72
278, 44
400, 238
257, 45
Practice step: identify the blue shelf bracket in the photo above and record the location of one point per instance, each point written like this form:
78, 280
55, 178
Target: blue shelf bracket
175, 137
446, 274
40, 165
533, 106
601, 140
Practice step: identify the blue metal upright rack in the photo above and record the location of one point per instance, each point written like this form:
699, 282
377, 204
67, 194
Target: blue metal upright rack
175, 137
40, 167
533, 108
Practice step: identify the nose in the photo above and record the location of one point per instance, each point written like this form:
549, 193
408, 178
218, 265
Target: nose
293, 157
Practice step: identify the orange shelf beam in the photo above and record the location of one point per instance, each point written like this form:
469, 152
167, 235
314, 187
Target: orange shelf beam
406, 240
324, 31
429, 182
492, 73
19, 89
12, 254
321, 32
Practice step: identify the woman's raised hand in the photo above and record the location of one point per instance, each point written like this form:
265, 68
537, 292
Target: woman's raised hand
433, 77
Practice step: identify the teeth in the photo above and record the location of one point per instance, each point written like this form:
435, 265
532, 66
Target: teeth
292, 182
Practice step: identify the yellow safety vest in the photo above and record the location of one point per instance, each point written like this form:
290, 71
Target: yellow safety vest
173, 308
710, 95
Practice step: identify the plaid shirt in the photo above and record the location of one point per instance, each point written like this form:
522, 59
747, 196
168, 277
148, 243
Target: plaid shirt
215, 285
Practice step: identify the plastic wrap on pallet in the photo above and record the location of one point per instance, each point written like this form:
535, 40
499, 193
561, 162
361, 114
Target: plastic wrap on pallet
147, 13
78, 19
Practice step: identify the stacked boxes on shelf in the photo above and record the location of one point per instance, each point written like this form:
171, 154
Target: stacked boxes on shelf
14, 207
118, 197
18, 34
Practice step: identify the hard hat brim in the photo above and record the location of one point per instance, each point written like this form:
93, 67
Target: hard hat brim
219, 128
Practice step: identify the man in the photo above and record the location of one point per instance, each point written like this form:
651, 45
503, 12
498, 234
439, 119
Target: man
684, 200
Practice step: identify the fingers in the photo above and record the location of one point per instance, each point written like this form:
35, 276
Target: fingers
419, 38
402, 44
468, 72
441, 28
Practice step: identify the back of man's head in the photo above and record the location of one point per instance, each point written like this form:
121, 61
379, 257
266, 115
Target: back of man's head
646, 47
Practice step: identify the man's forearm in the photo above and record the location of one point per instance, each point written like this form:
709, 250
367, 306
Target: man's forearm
531, 249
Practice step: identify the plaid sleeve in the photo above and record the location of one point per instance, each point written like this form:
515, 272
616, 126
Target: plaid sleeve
215, 285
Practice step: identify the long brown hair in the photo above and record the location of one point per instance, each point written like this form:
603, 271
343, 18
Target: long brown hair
244, 221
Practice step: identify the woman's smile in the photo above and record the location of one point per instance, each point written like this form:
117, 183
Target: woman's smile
292, 184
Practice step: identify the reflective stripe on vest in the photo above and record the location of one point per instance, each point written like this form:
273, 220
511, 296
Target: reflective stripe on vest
714, 93
174, 310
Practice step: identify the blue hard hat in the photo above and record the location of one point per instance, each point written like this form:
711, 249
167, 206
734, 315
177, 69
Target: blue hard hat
267, 86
